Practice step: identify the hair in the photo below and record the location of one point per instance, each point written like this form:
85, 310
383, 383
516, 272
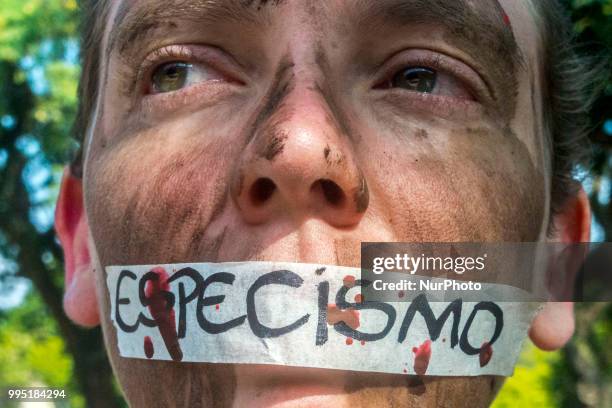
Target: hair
570, 85
94, 16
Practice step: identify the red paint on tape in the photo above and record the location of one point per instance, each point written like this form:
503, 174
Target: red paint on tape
349, 316
148, 347
348, 281
486, 352
422, 355
163, 315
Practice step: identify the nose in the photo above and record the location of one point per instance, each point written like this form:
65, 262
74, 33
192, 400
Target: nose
300, 163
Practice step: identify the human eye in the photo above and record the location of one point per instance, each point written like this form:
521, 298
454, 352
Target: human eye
182, 77
429, 73
175, 75
429, 80
173, 68
416, 79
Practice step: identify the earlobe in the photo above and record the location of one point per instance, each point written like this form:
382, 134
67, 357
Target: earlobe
554, 326
80, 302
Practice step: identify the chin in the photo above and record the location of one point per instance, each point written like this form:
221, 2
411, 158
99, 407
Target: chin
262, 386
284, 399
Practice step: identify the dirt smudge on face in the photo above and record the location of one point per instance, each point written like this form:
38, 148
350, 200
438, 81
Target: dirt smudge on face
421, 134
417, 386
361, 196
281, 87
162, 220
275, 145
339, 116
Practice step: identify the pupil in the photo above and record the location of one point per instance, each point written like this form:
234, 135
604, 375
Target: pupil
172, 72
171, 76
416, 79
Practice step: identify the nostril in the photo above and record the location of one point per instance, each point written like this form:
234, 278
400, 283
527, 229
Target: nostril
331, 191
261, 191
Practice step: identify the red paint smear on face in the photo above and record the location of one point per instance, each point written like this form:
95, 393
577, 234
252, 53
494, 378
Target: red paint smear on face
160, 313
349, 316
405, 371
486, 352
358, 298
363, 342
148, 347
348, 281
349, 341
422, 354
506, 20
217, 306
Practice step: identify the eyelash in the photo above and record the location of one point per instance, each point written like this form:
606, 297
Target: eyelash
206, 56
439, 63
475, 86
159, 57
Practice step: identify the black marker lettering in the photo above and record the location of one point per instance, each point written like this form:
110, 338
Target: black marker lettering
183, 299
282, 277
434, 326
492, 308
342, 304
205, 324
124, 301
323, 289
145, 301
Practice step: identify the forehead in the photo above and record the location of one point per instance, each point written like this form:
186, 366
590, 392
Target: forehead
139, 14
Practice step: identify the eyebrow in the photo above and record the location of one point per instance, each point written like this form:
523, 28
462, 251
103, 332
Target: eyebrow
136, 20
483, 21
480, 28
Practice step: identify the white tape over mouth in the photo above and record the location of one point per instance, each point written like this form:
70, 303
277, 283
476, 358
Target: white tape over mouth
306, 315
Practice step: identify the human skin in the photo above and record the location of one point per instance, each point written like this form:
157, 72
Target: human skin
294, 100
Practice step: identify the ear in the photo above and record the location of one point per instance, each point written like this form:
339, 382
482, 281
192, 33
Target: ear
554, 326
80, 301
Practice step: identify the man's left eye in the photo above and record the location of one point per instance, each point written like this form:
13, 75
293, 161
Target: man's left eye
173, 76
426, 80
416, 79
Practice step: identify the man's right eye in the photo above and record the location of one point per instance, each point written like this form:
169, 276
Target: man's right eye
416, 79
176, 75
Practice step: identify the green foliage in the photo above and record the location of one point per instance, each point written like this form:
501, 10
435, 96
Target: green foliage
530, 384
24, 23
39, 70
39, 47
32, 350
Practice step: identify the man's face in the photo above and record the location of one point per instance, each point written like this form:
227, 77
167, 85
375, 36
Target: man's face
295, 130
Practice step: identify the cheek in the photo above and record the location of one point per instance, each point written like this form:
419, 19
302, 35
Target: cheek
507, 185
148, 198
459, 186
